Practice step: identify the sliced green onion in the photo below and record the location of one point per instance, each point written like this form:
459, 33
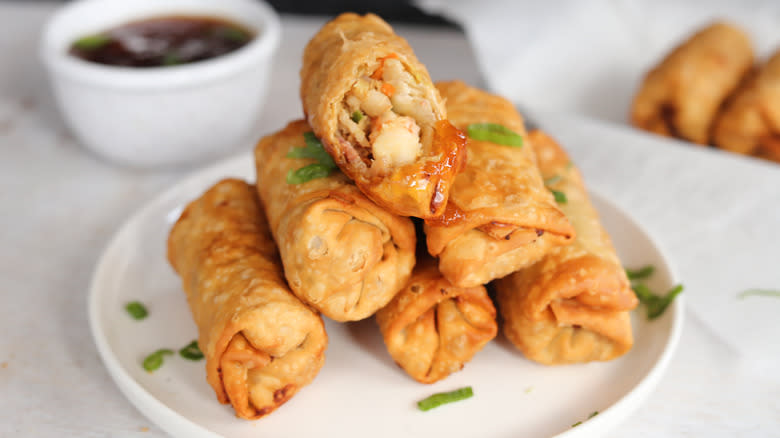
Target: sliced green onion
552, 180
136, 310
308, 173
313, 150
560, 197
92, 42
655, 304
593, 414
759, 293
191, 351
357, 116
233, 34
576, 424
171, 59
638, 274
441, 398
155, 360
494, 133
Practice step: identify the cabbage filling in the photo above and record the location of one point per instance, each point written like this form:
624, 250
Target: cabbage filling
387, 118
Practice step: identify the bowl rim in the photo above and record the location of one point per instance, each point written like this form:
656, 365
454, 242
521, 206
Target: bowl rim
60, 63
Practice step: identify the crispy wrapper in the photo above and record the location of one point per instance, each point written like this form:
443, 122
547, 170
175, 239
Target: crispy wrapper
260, 342
500, 217
681, 96
573, 305
349, 66
342, 254
432, 328
750, 122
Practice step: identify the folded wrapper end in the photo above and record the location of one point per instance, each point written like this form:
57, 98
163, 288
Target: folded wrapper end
432, 328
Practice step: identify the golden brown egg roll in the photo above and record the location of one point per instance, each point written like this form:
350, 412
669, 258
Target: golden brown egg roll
573, 305
750, 121
342, 254
500, 217
261, 343
374, 106
432, 328
681, 96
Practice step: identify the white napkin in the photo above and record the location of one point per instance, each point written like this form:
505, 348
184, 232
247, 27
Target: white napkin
588, 57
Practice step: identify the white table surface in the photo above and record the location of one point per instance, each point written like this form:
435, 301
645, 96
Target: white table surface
59, 205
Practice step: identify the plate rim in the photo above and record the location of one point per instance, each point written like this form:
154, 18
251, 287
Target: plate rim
175, 424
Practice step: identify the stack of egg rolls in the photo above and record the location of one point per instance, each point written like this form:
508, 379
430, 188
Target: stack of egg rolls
681, 96
500, 218
573, 305
342, 254
374, 106
260, 342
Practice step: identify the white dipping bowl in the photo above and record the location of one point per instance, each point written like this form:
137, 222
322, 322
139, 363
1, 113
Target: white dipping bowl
160, 116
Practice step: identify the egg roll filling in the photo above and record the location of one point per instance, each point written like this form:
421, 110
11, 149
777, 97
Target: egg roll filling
387, 118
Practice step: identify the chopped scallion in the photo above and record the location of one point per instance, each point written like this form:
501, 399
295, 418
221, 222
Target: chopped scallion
308, 173
641, 273
560, 197
155, 360
137, 310
494, 133
759, 293
191, 351
441, 398
92, 42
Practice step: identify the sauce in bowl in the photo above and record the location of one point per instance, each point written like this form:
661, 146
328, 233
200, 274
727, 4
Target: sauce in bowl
163, 41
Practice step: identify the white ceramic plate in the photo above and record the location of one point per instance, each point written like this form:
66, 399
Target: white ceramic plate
360, 391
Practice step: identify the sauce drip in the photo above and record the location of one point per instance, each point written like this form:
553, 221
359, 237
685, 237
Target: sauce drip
163, 41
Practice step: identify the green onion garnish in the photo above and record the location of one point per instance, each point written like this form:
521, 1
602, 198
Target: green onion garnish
655, 304
136, 310
759, 293
191, 351
92, 42
357, 116
593, 414
313, 149
232, 34
441, 398
560, 197
155, 360
576, 424
171, 59
494, 133
308, 173
638, 274
552, 180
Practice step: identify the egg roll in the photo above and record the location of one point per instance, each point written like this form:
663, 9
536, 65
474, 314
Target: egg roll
261, 343
681, 96
750, 121
375, 108
342, 254
500, 218
432, 328
573, 305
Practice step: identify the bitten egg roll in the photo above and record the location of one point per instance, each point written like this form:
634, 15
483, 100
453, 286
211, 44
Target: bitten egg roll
573, 305
373, 105
342, 254
432, 328
750, 121
681, 96
500, 218
261, 343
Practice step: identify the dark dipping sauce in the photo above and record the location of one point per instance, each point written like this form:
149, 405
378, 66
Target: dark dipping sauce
163, 41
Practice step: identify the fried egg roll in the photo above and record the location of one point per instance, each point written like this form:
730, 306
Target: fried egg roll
500, 218
573, 305
374, 106
432, 328
342, 254
261, 343
681, 96
750, 122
